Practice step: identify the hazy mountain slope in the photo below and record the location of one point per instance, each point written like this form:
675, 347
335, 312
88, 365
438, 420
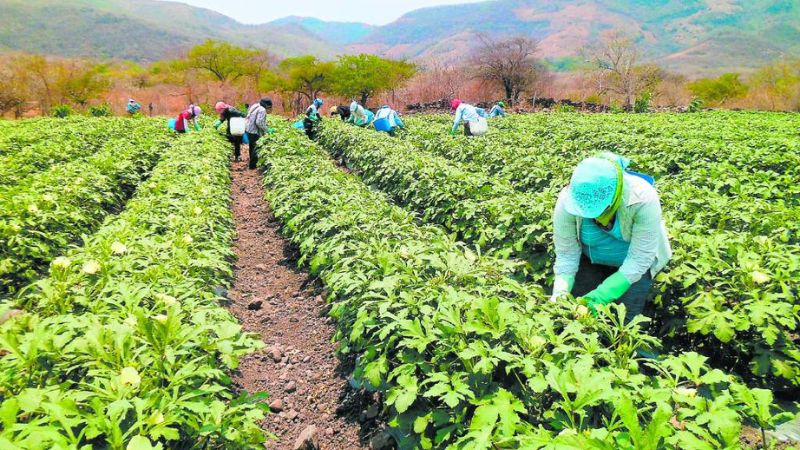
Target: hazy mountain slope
691, 36
341, 33
698, 35
141, 30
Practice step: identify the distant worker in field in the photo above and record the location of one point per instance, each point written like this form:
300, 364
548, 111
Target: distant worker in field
343, 111
256, 128
610, 237
498, 110
237, 125
474, 124
387, 120
359, 115
133, 107
313, 118
188, 119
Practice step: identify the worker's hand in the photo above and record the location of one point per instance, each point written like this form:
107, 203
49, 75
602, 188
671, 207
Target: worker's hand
217, 124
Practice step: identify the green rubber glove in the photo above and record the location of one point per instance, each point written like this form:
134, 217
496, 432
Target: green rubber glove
609, 290
217, 124
452, 132
270, 130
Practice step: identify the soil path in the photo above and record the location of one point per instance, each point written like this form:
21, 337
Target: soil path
299, 368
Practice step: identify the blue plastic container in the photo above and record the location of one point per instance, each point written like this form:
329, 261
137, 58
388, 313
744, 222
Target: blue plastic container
383, 125
171, 124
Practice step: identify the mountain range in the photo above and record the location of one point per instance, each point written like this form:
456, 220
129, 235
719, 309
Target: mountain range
690, 36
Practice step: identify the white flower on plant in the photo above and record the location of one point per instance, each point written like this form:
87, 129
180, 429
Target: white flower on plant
118, 248
91, 267
33, 209
160, 318
187, 239
130, 375
760, 277
62, 262
686, 392
198, 210
168, 299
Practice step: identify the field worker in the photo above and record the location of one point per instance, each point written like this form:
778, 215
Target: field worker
360, 115
257, 127
465, 113
133, 107
498, 110
343, 111
188, 119
387, 120
312, 117
610, 238
226, 112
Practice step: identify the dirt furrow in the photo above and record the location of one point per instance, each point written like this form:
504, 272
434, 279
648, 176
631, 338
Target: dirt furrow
308, 388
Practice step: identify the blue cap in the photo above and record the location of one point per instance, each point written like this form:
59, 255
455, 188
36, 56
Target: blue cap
592, 189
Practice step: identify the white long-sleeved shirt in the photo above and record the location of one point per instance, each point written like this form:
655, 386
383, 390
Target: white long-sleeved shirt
465, 113
256, 120
358, 114
391, 115
641, 224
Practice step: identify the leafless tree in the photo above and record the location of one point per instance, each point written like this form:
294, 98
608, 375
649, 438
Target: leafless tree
511, 62
617, 59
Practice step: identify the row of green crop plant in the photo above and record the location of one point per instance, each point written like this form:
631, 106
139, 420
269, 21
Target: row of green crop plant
70, 141
476, 208
661, 144
736, 264
124, 344
46, 212
465, 356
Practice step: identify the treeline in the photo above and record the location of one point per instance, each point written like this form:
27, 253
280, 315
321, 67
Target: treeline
613, 73
206, 73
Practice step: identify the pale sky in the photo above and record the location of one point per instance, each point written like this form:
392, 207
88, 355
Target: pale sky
376, 12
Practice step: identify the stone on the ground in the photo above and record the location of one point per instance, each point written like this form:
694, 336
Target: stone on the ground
291, 386
382, 441
276, 405
307, 439
254, 306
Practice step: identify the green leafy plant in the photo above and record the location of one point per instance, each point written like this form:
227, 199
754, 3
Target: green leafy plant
62, 111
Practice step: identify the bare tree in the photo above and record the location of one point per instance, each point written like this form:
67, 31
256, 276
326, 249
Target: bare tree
510, 62
617, 59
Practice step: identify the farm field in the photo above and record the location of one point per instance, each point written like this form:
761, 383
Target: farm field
434, 256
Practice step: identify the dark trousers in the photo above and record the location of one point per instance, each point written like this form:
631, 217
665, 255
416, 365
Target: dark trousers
253, 139
237, 145
311, 128
591, 275
467, 131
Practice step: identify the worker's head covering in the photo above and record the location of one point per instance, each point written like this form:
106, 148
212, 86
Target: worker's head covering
318, 102
266, 102
333, 110
501, 104
221, 106
593, 188
354, 106
130, 100
195, 111
455, 104
386, 106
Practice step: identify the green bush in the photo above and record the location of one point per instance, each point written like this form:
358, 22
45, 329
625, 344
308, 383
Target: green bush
103, 110
62, 111
696, 105
642, 103
564, 108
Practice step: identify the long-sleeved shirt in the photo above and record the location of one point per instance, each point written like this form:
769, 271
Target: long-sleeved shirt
496, 111
256, 120
358, 115
465, 113
390, 115
184, 121
640, 224
312, 112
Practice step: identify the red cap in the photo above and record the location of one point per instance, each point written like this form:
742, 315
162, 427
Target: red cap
455, 103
